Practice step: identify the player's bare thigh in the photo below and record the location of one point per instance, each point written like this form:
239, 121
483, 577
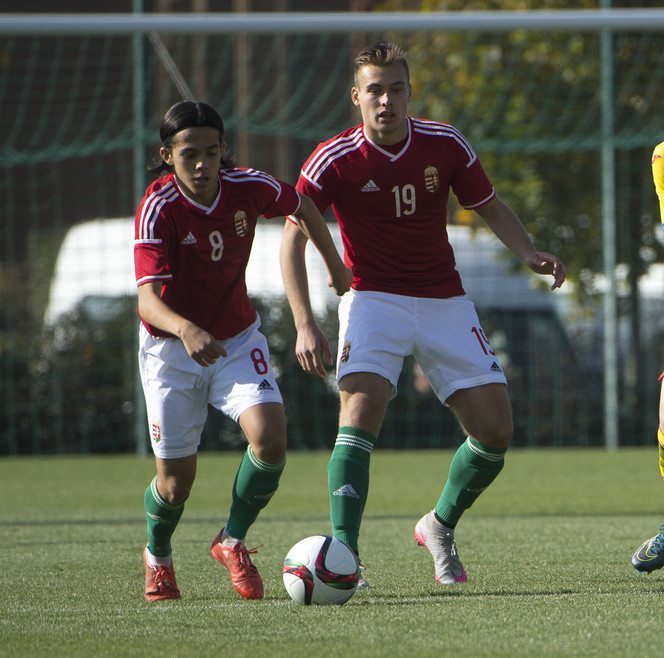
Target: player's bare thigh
485, 413
264, 425
364, 397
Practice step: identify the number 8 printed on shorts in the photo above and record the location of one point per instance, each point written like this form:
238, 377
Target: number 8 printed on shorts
258, 359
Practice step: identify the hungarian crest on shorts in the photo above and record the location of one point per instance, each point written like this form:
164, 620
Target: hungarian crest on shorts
345, 353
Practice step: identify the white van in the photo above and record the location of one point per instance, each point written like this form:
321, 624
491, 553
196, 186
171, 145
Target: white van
95, 265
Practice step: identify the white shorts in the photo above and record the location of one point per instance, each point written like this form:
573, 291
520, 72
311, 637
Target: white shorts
177, 389
377, 330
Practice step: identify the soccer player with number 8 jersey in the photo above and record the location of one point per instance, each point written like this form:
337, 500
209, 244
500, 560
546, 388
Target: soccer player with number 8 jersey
387, 181
200, 342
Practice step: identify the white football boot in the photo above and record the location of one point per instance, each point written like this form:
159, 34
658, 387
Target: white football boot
439, 540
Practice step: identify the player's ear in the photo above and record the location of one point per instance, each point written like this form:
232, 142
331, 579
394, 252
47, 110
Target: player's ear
354, 95
166, 155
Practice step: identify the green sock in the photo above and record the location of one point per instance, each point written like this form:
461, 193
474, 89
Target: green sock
255, 483
474, 467
348, 482
162, 519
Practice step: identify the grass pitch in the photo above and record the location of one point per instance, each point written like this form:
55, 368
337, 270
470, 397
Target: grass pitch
547, 552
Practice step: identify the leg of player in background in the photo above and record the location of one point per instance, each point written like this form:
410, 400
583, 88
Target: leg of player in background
486, 417
650, 555
660, 429
256, 481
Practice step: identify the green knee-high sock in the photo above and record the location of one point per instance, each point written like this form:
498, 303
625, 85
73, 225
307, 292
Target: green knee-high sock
162, 519
474, 467
348, 482
255, 483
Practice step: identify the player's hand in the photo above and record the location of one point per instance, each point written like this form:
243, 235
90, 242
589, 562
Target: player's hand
201, 346
341, 281
545, 263
312, 350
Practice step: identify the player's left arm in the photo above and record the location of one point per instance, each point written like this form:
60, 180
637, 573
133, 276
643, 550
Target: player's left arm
312, 224
502, 220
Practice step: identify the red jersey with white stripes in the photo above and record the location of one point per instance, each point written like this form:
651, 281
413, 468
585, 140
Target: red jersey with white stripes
391, 204
200, 254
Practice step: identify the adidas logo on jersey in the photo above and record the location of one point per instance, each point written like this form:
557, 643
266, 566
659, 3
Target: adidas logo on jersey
370, 187
265, 386
189, 239
495, 367
346, 490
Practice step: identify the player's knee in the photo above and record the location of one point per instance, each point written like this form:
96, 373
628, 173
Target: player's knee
269, 445
271, 449
497, 436
364, 401
175, 490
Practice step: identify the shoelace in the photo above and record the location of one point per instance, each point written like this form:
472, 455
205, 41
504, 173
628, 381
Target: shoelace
658, 543
244, 561
164, 577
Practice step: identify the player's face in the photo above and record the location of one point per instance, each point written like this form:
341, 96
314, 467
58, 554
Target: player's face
382, 94
195, 155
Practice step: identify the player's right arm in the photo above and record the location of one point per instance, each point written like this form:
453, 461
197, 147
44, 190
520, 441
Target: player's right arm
200, 345
312, 348
312, 224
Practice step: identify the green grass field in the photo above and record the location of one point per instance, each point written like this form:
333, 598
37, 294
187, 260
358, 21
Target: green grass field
547, 552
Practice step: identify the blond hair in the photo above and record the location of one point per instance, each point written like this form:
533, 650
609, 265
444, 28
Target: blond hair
380, 54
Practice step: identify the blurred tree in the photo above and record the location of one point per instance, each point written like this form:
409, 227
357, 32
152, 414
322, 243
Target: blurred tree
529, 102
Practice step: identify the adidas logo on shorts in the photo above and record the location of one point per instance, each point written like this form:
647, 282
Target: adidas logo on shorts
265, 386
495, 367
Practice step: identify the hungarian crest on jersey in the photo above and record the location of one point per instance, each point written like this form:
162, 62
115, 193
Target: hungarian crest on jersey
241, 223
431, 179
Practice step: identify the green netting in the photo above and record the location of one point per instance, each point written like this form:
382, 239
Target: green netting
529, 102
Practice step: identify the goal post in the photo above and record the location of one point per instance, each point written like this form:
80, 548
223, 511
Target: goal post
581, 20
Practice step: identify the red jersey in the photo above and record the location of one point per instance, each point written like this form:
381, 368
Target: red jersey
200, 254
392, 207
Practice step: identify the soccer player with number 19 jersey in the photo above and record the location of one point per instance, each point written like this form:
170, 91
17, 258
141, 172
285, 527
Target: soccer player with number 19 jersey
200, 342
388, 182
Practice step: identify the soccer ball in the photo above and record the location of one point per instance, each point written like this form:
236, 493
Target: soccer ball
322, 570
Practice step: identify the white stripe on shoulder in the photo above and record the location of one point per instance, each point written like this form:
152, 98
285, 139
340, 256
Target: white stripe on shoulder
252, 176
155, 241
152, 207
330, 152
313, 182
445, 130
153, 277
